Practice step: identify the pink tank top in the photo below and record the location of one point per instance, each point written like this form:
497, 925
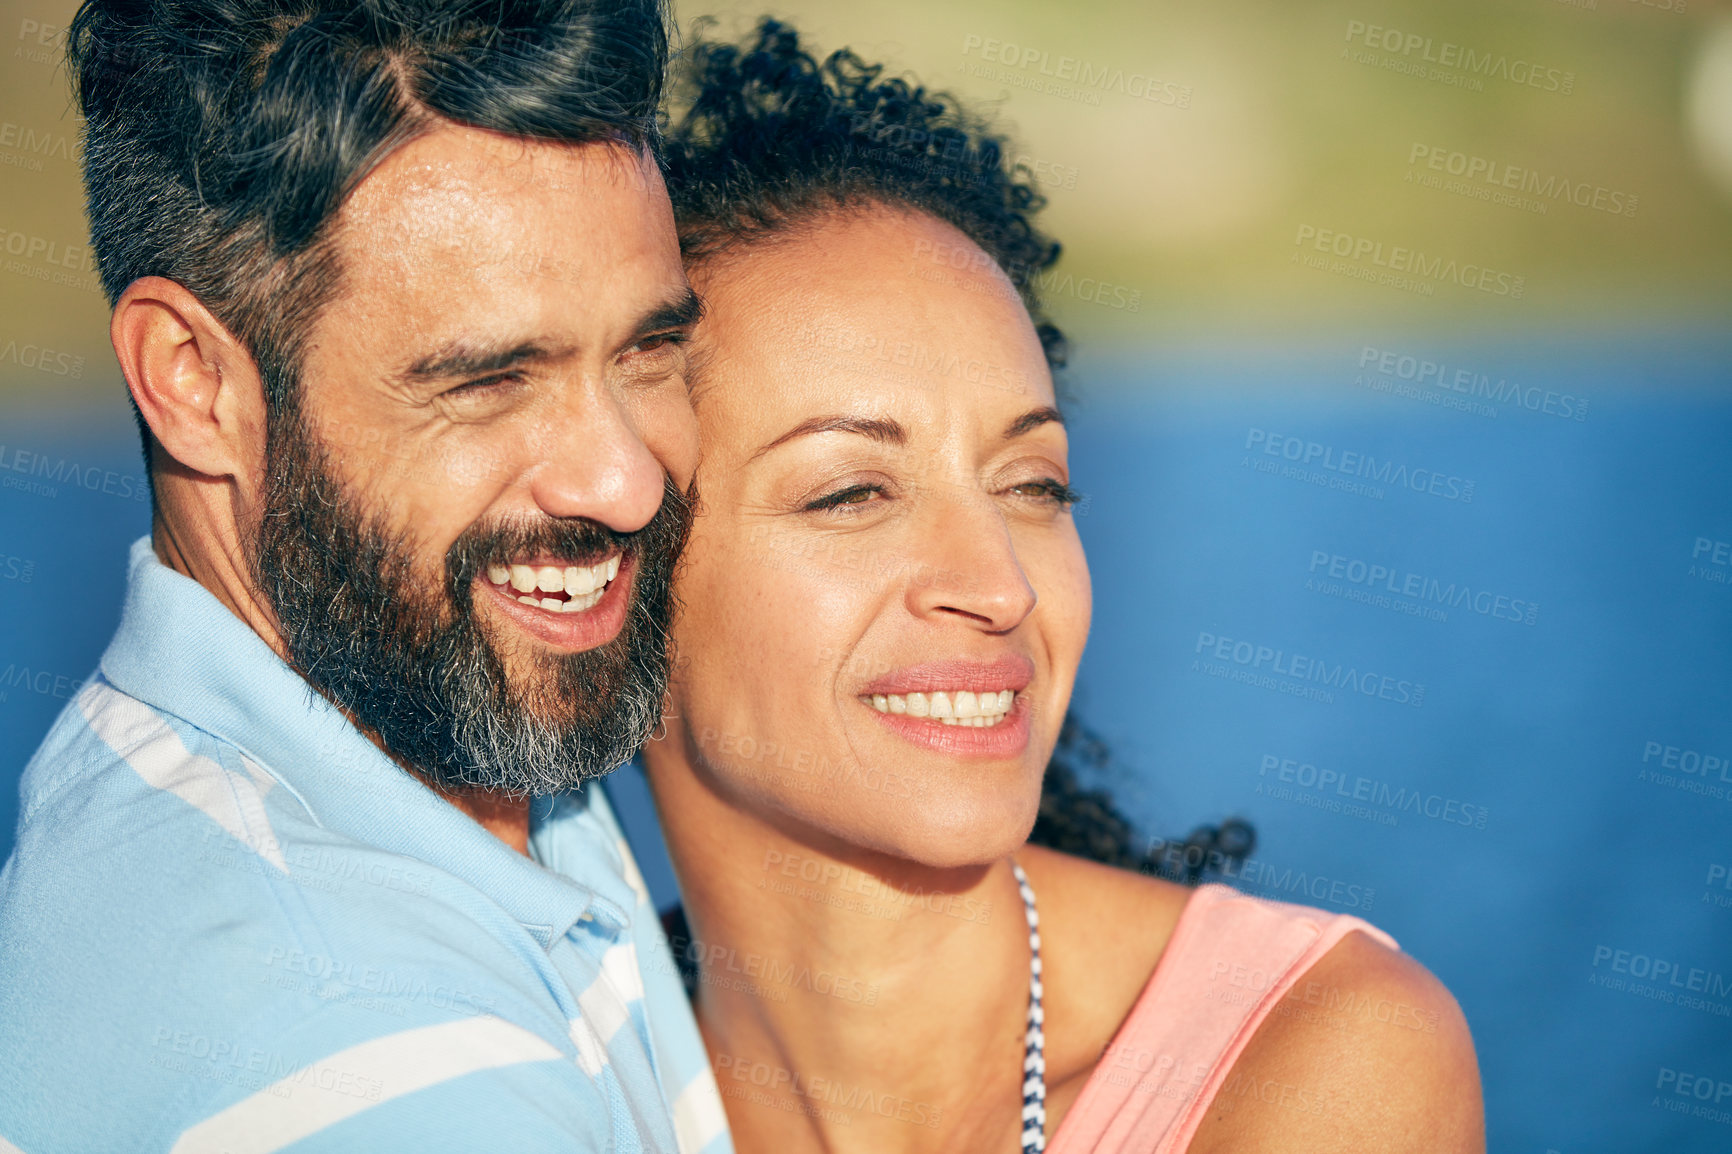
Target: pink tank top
1230, 961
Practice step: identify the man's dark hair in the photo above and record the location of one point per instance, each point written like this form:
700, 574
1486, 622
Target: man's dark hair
221, 136
766, 137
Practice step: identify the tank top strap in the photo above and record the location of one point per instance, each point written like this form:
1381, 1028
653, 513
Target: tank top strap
1230, 961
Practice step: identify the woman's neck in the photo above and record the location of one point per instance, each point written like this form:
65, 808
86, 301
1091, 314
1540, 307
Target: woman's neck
850, 1001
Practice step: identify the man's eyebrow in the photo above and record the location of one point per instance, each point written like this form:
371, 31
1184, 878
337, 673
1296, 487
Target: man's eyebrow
680, 313
884, 430
1033, 419
462, 358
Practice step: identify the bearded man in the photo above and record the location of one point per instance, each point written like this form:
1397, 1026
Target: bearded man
310, 862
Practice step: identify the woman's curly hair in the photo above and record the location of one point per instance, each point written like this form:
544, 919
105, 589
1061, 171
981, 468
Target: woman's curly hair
763, 137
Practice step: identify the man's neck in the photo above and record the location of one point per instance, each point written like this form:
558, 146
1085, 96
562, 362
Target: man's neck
506, 818
210, 553
202, 557
193, 534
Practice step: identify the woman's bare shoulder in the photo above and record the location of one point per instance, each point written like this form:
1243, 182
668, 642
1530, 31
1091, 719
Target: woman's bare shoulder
1367, 1051
1103, 930
1118, 916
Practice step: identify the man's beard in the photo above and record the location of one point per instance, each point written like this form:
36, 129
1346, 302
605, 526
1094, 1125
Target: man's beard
411, 661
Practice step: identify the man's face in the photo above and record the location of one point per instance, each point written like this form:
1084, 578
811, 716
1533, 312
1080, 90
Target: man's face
464, 532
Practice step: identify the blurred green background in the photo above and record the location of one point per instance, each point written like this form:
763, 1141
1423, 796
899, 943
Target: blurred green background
1266, 118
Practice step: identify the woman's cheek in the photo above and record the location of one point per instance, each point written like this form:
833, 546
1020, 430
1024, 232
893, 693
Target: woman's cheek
1061, 581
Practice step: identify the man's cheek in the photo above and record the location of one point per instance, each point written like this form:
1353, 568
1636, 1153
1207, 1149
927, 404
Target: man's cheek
669, 429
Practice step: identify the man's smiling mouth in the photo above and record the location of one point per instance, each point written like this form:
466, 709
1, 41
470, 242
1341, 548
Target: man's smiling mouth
555, 588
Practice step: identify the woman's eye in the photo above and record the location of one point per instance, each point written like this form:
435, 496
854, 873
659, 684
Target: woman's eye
1049, 489
853, 495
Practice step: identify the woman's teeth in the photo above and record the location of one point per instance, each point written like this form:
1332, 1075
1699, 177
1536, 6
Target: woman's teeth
581, 585
977, 710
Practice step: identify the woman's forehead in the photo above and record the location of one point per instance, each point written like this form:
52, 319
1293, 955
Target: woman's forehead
897, 309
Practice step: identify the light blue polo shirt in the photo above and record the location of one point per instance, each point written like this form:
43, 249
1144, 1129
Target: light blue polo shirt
231, 924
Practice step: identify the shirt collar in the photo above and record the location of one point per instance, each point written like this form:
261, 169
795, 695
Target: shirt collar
180, 650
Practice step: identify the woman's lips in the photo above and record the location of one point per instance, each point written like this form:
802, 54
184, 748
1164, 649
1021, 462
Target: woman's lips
956, 706
1012, 671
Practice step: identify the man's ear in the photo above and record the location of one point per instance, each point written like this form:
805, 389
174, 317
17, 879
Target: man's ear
196, 385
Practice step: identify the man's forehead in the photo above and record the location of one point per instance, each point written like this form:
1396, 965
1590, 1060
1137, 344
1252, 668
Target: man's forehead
490, 209
452, 157
454, 189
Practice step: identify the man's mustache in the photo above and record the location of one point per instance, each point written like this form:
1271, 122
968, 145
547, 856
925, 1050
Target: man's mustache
576, 540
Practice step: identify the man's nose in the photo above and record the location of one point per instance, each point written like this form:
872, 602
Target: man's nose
596, 464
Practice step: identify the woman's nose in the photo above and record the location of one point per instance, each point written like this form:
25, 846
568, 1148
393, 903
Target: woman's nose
966, 566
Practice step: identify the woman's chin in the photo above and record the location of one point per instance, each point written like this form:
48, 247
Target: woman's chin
947, 837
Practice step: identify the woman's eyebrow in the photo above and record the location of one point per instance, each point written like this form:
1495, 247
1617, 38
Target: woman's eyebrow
884, 430
1033, 419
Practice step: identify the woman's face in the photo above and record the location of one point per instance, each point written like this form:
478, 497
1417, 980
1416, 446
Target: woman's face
884, 538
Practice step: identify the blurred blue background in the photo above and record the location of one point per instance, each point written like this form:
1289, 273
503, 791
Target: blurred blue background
1572, 861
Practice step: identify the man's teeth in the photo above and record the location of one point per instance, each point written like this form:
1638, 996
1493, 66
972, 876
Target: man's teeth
582, 585
976, 710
